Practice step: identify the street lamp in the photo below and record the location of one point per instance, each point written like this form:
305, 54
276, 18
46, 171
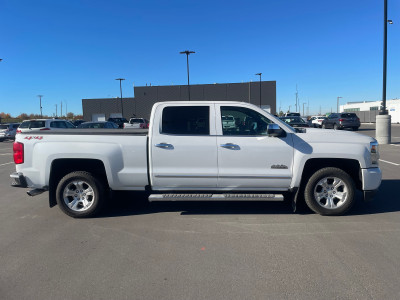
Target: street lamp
260, 86
303, 107
187, 52
120, 88
337, 105
383, 120
40, 102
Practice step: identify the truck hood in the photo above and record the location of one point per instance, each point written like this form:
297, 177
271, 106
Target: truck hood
315, 135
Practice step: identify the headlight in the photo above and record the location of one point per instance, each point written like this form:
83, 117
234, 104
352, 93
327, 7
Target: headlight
374, 149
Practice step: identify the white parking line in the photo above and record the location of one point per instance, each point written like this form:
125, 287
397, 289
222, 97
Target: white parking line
389, 162
5, 153
395, 145
6, 163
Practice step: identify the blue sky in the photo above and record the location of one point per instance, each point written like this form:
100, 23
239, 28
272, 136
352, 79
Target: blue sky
70, 50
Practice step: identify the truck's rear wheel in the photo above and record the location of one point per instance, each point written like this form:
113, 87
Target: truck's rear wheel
79, 194
330, 191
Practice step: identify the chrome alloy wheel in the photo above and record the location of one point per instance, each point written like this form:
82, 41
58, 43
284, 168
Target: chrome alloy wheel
331, 192
78, 195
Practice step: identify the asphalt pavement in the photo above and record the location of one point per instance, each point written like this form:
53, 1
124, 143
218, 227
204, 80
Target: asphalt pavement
234, 250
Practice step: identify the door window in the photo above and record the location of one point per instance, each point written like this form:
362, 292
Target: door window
186, 120
243, 121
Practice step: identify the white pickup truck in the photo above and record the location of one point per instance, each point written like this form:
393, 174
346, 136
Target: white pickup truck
188, 155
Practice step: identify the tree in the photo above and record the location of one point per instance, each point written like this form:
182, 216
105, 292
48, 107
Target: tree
23, 116
70, 115
5, 115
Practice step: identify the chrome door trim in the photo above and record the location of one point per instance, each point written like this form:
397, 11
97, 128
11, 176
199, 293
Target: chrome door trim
230, 176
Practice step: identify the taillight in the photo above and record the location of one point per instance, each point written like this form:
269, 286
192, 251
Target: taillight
19, 131
18, 150
358, 119
45, 128
148, 125
341, 120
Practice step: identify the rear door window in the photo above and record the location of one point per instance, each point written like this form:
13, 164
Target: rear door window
186, 120
32, 124
3, 126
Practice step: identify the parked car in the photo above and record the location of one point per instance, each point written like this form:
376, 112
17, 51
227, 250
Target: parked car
119, 121
341, 120
137, 123
99, 124
295, 121
44, 124
188, 156
228, 122
316, 121
76, 123
8, 131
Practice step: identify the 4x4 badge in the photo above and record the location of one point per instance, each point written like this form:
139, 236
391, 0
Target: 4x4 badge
279, 167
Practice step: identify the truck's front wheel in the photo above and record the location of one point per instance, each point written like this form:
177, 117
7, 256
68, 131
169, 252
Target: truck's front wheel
80, 194
330, 191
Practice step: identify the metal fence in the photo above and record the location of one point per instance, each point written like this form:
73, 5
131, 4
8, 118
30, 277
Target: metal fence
367, 116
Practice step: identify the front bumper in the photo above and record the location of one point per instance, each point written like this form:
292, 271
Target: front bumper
371, 180
18, 180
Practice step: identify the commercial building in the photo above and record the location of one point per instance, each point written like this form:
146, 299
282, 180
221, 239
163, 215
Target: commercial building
367, 110
146, 96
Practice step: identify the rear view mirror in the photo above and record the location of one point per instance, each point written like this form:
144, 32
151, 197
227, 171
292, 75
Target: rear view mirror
274, 130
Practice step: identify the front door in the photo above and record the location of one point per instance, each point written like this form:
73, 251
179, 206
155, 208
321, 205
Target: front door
248, 159
183, 148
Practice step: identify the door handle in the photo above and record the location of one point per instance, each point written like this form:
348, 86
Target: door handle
230, 146
164, 146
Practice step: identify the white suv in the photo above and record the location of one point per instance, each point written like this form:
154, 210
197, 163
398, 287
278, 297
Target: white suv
316, 121
44, 124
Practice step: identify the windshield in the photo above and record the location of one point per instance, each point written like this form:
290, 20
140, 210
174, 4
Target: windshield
3, 126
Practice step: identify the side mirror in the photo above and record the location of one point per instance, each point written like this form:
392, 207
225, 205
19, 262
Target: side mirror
274, 130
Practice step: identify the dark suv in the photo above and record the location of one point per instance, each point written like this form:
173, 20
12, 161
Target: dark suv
119, 121
341, 120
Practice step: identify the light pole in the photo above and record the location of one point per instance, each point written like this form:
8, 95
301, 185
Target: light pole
383, 120
133, 85
187, 52
303, 107
120, 88
40, 103
260, 86
337, 104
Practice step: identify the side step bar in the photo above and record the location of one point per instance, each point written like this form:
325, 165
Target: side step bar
215, 197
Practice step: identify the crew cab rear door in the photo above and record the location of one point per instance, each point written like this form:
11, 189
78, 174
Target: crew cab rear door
249, 159
183, 152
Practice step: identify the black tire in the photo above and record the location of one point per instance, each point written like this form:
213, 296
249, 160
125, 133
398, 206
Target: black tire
355, 128
323, 126
340, 207
336, 127
89, 184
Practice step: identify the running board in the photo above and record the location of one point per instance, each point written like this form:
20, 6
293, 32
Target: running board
215, 197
